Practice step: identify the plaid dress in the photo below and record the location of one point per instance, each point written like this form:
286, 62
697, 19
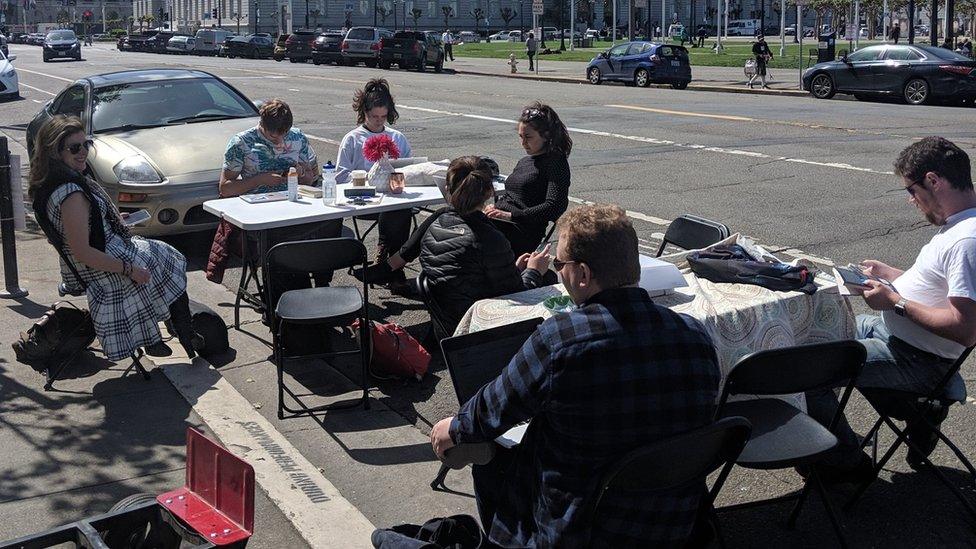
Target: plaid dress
126, 316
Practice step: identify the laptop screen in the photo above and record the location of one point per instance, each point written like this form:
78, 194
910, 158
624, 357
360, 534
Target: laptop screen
477, 358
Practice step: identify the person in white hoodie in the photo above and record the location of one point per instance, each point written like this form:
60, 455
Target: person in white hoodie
375, 109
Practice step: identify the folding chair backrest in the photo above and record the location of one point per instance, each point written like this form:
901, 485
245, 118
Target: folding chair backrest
313, 256
676, 461
437, 315
956, 366
795, 369
691, 233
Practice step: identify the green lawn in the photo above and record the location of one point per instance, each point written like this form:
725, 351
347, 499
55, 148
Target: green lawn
735, 53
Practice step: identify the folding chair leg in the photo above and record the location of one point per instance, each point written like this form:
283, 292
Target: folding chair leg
795, 512
831, 514
438, 482
716, 527
878, 465
955, 449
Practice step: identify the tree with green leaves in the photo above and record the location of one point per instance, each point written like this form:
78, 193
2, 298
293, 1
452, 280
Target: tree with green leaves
508, 15
384, 12
478, 15
415, 15
448, 12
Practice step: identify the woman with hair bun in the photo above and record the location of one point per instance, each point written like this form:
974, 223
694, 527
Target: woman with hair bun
375, 109
537, 190
464, 257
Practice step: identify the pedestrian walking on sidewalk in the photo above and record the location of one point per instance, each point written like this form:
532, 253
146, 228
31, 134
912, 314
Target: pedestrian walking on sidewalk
760, 49
894, 33
531, 47
702, 34
88, 39
448, 40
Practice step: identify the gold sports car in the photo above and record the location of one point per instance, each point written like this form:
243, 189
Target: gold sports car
159, 136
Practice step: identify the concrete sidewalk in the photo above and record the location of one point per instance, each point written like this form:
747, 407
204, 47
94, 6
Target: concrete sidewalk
785, 82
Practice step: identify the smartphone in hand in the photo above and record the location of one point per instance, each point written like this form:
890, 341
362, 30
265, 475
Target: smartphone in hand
136, 217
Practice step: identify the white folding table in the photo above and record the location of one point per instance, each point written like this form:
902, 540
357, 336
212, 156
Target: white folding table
259, 218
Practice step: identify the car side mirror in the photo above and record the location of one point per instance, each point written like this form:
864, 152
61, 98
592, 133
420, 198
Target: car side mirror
604, 54
12, 57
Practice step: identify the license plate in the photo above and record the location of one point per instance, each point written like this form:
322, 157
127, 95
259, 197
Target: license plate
397, 56
675, 63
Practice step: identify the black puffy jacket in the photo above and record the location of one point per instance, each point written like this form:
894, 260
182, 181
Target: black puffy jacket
466, 258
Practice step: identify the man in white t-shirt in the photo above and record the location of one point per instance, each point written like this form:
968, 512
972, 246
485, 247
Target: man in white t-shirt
929, 317
448, 40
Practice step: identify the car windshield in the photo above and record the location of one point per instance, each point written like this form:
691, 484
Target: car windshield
62, 35
360, 34
409, 35
161, 103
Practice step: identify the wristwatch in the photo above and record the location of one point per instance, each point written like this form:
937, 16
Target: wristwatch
900, 307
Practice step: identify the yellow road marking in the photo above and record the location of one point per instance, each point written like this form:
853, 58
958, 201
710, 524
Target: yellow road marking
686, 113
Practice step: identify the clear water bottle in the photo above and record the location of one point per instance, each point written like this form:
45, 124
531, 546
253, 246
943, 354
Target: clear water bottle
292, 184
328, 185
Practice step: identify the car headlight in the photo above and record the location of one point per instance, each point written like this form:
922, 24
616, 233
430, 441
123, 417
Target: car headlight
7, 74
75, 45
136, 169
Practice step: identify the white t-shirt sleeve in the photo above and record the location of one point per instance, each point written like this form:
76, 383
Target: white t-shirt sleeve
404, 147
961, 269
346, 160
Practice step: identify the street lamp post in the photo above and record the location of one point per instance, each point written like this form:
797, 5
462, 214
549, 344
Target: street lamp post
374, 12
257, 14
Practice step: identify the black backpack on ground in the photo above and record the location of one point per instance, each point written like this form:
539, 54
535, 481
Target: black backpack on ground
63, 331
208, 324
454, 532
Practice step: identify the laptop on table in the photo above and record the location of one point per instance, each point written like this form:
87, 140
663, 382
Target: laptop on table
477, 358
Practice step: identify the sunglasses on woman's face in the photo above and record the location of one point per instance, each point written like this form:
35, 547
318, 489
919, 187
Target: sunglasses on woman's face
75, 148
531, 114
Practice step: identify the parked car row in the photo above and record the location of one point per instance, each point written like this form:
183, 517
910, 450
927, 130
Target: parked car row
371, 46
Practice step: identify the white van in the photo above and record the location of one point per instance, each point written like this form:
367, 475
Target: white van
208, 41
744, 27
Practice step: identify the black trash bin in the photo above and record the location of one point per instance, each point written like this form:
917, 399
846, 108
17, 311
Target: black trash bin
826, 50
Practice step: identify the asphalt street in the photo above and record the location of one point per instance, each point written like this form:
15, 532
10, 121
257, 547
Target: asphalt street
797, 174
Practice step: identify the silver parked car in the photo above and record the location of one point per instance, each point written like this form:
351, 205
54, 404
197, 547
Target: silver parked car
362, 45
159, 136
180, 44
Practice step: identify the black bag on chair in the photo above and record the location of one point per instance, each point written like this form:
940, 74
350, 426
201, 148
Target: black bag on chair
63, 331
733, 264
208, 324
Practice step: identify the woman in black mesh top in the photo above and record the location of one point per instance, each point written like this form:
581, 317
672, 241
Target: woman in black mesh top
537, 190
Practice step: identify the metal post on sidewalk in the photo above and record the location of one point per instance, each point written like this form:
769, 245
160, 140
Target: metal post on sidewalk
7, 236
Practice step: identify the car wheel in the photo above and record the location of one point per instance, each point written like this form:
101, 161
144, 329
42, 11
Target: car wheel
594, 76
293, 60
916, 91
642, 78
316, 61
254, 53
822, 86
47, 59
385, 65
371, 63
422, 64
440, 65
679, 85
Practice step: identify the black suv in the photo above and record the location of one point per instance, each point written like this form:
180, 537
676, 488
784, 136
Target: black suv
299, 45
327, 48
61, 43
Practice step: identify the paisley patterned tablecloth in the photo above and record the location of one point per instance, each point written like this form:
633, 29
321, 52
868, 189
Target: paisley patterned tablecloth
741, 318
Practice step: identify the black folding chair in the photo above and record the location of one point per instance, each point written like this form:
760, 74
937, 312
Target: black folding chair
914, 409
330, 306
691, 233
680, 461
782, 435
438, 327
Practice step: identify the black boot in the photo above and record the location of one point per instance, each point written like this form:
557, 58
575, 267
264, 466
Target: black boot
377, 273
179, 314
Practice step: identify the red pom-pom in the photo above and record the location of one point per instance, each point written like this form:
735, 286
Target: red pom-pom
377, 145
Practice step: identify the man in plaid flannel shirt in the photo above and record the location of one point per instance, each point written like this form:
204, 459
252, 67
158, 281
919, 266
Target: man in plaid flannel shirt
615, 374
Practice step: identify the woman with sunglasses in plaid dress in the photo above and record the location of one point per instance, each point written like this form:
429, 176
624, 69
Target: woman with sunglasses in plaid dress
131, 283
537, 190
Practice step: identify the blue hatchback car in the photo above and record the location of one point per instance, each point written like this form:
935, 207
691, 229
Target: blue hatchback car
642, 64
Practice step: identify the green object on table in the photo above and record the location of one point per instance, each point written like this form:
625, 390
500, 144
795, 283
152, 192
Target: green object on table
559, 304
